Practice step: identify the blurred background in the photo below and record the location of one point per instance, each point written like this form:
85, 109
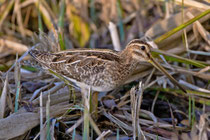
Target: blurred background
85, 23
179, 27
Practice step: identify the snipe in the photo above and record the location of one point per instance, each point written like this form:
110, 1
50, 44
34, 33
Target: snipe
99, 69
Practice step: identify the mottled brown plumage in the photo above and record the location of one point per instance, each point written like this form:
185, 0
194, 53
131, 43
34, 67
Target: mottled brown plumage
99, 69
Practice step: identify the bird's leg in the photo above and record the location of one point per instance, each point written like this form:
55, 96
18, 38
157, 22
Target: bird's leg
94, 105
86, 114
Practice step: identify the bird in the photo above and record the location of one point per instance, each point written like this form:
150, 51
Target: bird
100, 70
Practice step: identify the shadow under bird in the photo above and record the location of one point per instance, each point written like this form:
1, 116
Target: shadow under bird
99, 69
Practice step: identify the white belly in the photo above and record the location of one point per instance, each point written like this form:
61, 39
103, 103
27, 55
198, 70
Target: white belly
94, 88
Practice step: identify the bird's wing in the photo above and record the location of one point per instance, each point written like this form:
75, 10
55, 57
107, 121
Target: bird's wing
77, 64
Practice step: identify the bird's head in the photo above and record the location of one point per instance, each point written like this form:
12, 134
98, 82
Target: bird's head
139, 50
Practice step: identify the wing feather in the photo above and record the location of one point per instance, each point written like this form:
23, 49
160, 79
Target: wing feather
83, 66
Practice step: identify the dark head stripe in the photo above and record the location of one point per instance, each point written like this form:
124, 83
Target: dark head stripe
137, 41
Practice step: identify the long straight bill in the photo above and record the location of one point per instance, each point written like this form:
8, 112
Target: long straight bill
160, 68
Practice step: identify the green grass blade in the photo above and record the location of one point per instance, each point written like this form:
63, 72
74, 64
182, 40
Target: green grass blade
74, 134
61, 25
92, 10
29, 68
45, 15
60, 77
194, 93
17, 96
39, 19
118, 134
176, 58
121, 28
17, 82
190, 110
61, 41
48, 117
193, 111
182, 26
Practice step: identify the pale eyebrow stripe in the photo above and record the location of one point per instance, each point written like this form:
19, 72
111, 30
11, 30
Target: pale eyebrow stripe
138, 44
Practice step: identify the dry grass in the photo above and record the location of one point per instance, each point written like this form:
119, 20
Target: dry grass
35, 105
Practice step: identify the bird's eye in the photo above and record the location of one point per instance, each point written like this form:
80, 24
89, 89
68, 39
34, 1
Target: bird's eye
142, 48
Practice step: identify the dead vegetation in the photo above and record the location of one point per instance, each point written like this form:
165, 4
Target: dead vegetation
34, 104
